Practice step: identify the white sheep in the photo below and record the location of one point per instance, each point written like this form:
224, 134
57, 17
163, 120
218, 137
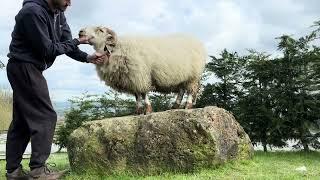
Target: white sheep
140, 64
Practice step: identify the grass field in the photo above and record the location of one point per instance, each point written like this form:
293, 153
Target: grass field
273, 165
5, 109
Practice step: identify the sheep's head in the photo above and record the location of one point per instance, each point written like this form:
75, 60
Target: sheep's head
101, 38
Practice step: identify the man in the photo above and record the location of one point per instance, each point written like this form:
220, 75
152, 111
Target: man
41, 33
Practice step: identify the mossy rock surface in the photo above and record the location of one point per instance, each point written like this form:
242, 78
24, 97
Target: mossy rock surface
174, 141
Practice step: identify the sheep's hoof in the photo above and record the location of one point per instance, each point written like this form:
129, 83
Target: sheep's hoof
148, 109
175, 106
139, 110
188, 106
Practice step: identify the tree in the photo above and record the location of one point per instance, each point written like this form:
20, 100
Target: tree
274, 99
228, 70
161, 102
92, 107
297, 82
256, 111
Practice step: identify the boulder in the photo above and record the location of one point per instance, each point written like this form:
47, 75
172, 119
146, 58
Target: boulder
171, 141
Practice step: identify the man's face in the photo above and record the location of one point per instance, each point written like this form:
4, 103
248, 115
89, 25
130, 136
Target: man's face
61, 4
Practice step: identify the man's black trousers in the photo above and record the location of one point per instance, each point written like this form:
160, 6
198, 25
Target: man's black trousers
34, 118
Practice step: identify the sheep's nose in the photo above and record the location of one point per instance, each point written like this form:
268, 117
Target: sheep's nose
81, 31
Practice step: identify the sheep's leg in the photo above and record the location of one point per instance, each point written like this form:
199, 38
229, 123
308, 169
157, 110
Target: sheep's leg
178, 100
192, 91
139, 105
194, 97
147, 104
195, 94
189, 101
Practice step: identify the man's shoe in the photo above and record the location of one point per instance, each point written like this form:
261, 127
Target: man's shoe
17, 174
44, 173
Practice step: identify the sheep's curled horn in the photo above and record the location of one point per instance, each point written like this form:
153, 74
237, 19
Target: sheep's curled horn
113, 39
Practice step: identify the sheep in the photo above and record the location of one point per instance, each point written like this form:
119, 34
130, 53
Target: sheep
140, 64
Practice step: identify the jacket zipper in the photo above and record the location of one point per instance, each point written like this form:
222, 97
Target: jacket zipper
54, 27
55, 20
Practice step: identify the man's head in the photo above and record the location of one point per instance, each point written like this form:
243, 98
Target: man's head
61, 5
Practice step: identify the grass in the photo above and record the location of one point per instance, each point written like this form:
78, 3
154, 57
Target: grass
272, 165
5, 109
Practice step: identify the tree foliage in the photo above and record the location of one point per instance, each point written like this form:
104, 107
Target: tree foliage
92, 107
275, 98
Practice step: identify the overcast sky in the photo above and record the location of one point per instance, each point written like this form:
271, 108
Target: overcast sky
233, 24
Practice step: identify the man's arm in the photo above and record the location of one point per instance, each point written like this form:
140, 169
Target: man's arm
37, 34
76, 54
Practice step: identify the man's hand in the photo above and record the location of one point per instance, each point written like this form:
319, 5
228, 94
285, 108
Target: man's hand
97, 58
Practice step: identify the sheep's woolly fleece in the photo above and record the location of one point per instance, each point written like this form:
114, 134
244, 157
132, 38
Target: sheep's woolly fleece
163, 64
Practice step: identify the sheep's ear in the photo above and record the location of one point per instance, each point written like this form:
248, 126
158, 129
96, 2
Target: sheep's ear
112, 35
106, 49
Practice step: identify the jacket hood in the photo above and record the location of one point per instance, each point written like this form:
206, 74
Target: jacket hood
43, 3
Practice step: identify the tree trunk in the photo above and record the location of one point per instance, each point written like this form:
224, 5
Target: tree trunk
303, 139
305, 146
264, 144
264, 140
264, 147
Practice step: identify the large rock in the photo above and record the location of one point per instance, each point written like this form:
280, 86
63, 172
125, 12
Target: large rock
175, 140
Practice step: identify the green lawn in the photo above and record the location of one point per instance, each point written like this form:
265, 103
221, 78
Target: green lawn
279, 165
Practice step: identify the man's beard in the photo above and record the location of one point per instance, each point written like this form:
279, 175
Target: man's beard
59, 5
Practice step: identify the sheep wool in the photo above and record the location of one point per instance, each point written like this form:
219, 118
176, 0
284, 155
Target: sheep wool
140, 64
163, 64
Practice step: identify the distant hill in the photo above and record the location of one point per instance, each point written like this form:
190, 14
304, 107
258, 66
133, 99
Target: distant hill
61, 108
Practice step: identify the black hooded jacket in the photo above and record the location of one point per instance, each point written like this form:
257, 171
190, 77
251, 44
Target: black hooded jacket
40, 35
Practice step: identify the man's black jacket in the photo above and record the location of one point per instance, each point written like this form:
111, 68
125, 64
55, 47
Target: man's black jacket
40, 35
